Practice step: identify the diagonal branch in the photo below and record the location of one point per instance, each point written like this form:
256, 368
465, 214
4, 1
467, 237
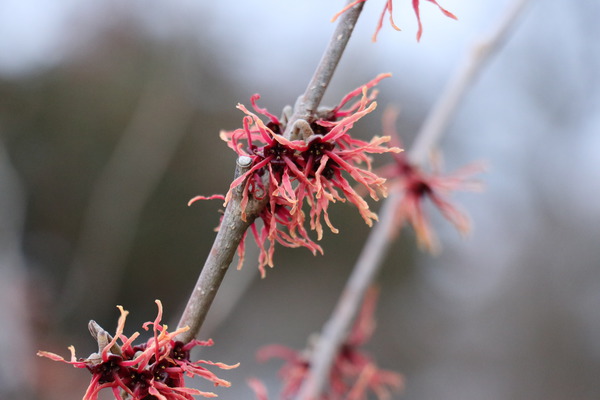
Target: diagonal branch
481, 52
370, 260
229, 236
131, 175
15, 288
307, 104
232, 226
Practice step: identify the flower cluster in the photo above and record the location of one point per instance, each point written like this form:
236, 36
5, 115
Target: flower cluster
151, 370
417, 185
388, 8
309, 169
353, 374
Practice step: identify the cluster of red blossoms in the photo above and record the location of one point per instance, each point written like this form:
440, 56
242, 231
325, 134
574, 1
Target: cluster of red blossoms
354, 374
388, 8
310, 169
146, 371
417, 185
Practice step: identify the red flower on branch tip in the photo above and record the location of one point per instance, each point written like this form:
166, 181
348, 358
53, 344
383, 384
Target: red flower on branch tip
388, 8
151, 370
417, 185
353, 374
310, 168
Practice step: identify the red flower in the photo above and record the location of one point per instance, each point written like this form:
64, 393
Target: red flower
417, 185
155, 368
416, 8
258, 388
354, 373
311, 169
388, 8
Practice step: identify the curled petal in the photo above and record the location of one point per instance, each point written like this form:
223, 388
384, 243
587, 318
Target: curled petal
416, 8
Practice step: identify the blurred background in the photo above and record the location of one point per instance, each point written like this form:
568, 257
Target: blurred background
109, 120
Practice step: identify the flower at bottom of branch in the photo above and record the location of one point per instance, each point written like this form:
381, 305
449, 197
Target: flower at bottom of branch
389, 8
151, 370
353, 374
417, 185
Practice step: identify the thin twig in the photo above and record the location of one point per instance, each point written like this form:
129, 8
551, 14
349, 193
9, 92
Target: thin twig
443, 110
232, 226
135, 167
364, 272
375, 250
15, 288
131, 174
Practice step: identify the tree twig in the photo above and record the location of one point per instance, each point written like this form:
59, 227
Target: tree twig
364, 272
15, 314
231, 231
373, 254
131, 174
481, 52
307, 104
232, 226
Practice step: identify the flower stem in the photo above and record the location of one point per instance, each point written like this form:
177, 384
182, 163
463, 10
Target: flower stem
370, 260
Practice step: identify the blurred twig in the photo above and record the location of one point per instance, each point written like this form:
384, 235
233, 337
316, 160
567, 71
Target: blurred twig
120, 193
232, 226
480, 53
17, 377
370, 260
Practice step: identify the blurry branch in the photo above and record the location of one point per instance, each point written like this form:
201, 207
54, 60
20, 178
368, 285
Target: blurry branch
129, 178
481, 52
370, 260
337, 328
232, 226
17, 376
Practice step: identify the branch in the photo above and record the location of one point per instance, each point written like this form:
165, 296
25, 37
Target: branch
370, 260
131, 174
233, 227
15, 288
307, 104
481, 52
231, 232
364, 272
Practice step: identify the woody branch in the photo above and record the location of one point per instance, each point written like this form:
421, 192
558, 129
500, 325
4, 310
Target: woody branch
233, 226
373, 253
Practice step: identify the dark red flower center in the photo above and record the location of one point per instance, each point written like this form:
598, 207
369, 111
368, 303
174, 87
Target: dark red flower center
278, 152
275, 128
419, 188
108, 369
179, 353
317, 147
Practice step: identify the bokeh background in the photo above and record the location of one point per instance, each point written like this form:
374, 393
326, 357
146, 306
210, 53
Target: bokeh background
109, 121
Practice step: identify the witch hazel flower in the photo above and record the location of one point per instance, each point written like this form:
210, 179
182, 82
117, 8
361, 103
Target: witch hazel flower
354, 373
312, 167
152, 370
417, 186
388, 9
